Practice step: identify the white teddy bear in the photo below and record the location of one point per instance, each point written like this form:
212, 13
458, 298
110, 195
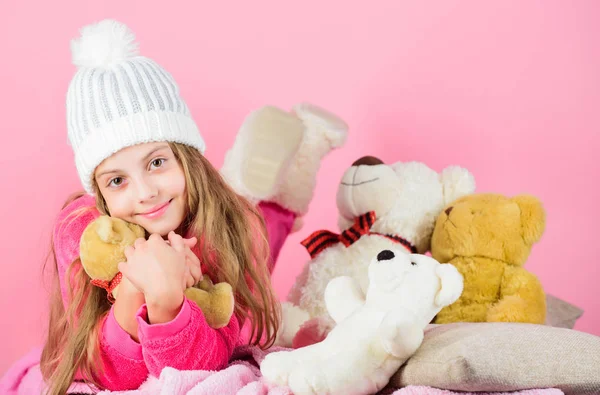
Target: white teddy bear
404, 200
375, 334
277, 153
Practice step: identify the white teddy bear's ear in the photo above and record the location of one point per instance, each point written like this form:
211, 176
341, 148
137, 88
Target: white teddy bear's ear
451, 285
456, 183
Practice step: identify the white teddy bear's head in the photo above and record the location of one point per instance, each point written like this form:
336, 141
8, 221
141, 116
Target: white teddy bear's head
417, 283
406, 197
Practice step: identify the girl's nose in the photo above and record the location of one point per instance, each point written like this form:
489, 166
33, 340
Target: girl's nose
146, 191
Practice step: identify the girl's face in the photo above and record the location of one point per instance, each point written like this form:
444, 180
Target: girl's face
144, 184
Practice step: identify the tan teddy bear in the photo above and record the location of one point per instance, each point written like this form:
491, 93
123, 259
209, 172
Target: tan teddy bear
488, 238
102, 247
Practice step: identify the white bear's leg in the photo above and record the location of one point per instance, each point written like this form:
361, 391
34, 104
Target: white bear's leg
324, 132
340, 373
263, 150
307, 380
277, 366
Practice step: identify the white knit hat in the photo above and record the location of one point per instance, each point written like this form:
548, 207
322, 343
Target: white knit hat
118, 99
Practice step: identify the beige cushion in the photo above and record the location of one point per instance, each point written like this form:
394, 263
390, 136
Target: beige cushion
504, 357
560, 313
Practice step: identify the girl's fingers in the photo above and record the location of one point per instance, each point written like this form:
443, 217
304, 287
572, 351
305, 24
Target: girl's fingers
189, 254
190, 242
176, 242
128, 251
123, 268
190, 280
195, 272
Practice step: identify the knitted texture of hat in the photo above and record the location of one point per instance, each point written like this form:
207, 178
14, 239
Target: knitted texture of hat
118, 99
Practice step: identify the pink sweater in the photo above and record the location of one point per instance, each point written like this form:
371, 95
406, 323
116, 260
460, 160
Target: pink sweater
186, 342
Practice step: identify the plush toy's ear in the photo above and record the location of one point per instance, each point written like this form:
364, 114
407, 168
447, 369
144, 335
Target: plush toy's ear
533, 217
105, 228
451, 282
456, 183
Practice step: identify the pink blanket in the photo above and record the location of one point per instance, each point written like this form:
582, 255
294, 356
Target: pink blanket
241, 377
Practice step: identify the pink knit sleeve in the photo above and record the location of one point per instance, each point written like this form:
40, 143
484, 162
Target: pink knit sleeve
187, 342
121, 357
123, 363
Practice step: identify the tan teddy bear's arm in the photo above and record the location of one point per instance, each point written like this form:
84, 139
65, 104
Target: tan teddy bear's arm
522, 298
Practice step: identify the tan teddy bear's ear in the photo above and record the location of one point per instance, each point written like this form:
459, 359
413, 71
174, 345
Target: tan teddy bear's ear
105, 228
533, 217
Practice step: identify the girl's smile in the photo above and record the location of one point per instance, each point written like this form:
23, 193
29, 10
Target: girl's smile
156, 211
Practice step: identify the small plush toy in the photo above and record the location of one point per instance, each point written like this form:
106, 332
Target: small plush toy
277, 154
374, 333
381, 206
102, 247
488, 238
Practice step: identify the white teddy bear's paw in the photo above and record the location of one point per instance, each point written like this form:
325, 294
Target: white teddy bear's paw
308, 380
400, 334
334, 128
276, 367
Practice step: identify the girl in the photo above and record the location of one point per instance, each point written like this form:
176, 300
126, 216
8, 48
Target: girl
140, 158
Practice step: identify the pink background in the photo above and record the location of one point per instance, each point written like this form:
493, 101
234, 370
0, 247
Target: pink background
507, 89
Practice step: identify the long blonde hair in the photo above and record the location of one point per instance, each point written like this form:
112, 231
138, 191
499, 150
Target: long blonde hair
235, 248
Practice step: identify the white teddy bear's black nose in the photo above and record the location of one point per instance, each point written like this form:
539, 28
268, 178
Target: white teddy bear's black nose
385, 255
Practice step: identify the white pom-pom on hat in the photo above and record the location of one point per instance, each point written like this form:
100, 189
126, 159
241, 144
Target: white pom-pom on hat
102, 44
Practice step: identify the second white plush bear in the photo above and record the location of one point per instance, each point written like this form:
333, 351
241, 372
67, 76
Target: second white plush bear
374, 334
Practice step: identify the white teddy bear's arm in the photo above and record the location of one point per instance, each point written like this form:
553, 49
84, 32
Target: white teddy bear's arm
342, 297
400, 334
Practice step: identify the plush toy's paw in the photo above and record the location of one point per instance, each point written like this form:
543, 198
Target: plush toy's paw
274, 137
513, 308
262, 152
216, 301
323, 132
400, 334
333, 127
343, 296
276, 367
308, 380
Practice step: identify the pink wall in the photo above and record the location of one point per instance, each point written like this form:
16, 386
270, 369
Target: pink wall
504, 88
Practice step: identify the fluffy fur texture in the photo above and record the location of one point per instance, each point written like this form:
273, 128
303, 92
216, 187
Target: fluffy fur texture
488, 237
102, 247
103, 44
406, 197
374, 333
286, 176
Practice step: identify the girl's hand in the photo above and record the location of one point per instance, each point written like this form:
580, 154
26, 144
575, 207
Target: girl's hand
159, 270
192, 261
